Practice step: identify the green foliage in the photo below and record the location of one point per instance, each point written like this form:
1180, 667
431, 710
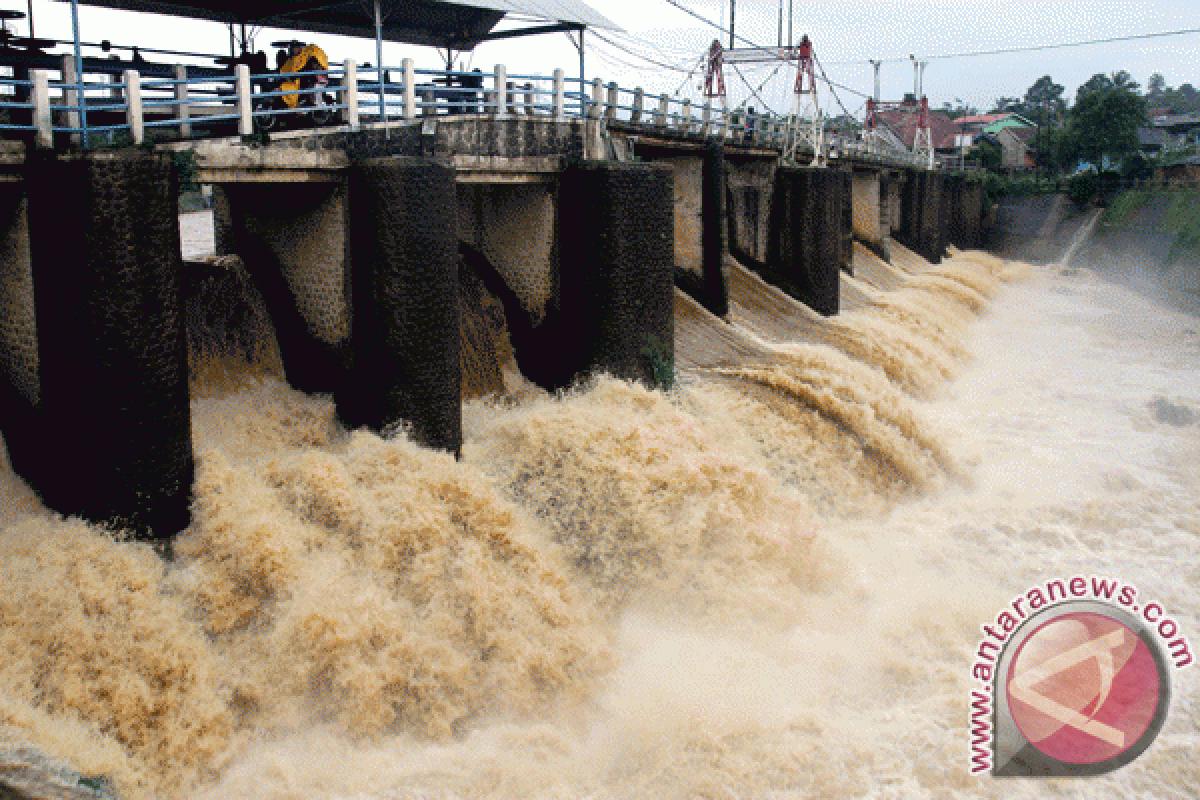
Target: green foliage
1083, 187
185, 166
987, 154
1123, 204
1104, 122
1181, 220
996, 185
659, 358
1043, 102
1136, 168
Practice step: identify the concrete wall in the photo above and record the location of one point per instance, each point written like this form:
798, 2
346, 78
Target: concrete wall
514, 226
867, 206
750, 189
293, 239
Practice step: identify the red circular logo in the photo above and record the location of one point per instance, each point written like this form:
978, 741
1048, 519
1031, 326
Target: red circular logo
1083, 688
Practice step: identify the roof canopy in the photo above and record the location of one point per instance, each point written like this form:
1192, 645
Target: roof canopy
457, 24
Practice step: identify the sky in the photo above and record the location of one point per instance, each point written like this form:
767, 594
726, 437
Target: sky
846, 34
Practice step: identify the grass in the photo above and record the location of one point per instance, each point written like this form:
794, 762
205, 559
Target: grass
1181, 220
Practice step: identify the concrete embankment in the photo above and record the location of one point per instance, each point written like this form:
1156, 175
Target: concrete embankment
1148, 239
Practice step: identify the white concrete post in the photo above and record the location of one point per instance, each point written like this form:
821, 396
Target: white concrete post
133, 105
70, 97
660, 116
614, 100
349, 94
245, 103
706, 119
42, 120
597, 98
183, 111
560, 94
639, 102
410, 88
500, 91
685, 123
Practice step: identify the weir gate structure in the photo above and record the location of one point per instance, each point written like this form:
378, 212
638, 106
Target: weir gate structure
583, 220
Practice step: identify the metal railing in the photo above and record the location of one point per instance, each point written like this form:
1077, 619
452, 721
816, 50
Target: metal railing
128, 107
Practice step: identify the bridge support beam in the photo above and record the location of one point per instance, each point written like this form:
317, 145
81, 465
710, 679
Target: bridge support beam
965, 211
921, 226
615, 309
113, 442
405, 354
809, 231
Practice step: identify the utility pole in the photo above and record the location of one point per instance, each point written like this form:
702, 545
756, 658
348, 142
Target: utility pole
732, 14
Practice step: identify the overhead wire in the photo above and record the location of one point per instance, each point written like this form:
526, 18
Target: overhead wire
647, 59
1026, 48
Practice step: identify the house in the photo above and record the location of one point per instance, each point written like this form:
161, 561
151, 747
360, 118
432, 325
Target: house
1179, 174
1152, 140
993, 123
902, 124
1016, 146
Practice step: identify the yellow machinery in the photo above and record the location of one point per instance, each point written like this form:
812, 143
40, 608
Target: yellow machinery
308, 58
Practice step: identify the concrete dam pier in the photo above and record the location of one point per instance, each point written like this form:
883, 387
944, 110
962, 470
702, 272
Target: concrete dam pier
355, 240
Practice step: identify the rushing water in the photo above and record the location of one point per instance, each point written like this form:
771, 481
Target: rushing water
768, 582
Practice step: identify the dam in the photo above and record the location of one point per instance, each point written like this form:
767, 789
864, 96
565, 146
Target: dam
514, 455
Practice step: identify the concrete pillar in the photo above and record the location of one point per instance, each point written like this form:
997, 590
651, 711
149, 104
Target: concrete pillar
560, 94
183, 111
616, 292
20, 384
807, 239
348, 96
932, 237
920, 227
951, 209
245, 101
405, 286
116, 425
133, 109
972, 211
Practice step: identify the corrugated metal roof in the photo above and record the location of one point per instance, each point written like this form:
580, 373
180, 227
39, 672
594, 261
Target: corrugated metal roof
557, 10
459, 24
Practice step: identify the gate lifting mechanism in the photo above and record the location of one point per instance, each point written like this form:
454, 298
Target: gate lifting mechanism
805, 127
922, 145
303, 91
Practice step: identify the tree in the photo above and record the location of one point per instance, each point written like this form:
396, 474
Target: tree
1005, 104
1097, 83
1156, 86
959, 109
987, 153
1055, 148
1104, 122
1043, 101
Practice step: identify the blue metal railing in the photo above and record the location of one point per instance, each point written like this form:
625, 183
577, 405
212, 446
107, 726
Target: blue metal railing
191, 106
